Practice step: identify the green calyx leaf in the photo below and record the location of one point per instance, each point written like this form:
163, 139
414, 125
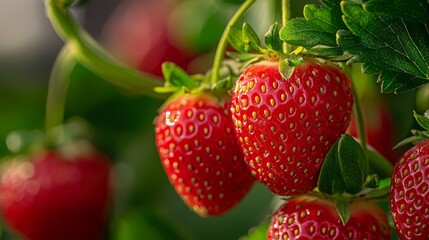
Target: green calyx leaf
235, 38
177, 77
418, 135
412, 10
244, 40
286, 70
272, 38
317, 30
353, 163
423, 121
252, 43
343, 209
395, 49
345, 168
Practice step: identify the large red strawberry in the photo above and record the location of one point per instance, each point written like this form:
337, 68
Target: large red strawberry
200, 154
312, 217
55, 196
409, 196
287, 126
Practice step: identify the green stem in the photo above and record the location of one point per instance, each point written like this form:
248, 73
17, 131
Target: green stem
357, 109
94, 57
286, 15
58, 85
220, 51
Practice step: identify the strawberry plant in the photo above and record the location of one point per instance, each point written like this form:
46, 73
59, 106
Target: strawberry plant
272, 112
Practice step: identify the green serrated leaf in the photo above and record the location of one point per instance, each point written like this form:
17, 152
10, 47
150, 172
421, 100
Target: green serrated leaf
250, 38
422, 121
399, 82
412, 10
399, 49
330, 180
257, 233
177, 77
272, 38
318, 28
353, 163
343, 210
235, 38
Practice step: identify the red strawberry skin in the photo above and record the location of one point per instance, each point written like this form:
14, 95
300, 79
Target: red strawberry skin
409, 195
200, 154
311, 217
286, 127
50, 198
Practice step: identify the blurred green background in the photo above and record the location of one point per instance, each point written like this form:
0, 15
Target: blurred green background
146, 205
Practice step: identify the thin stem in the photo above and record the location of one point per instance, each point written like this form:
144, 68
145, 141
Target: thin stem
94, 57
220, 51
58, 85
286, 15
357, 111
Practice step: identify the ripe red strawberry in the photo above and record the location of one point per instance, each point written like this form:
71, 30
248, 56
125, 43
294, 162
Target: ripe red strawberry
311, 217
53, 197
200, 154
286, 127
409, 196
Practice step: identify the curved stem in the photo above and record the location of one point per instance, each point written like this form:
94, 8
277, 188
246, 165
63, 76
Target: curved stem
58, 85
93, 56
286, 12
220, 51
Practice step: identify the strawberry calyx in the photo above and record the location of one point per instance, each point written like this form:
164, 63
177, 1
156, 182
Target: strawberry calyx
418, 136
250, 50
178, 82
346, 176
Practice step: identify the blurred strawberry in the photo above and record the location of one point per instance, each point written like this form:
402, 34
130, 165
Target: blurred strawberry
55, 194
137, 34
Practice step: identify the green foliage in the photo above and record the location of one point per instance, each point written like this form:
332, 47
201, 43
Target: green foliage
390, 38
244, 40
388, 45
344, 168
317, 30
412, 10
272, 38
